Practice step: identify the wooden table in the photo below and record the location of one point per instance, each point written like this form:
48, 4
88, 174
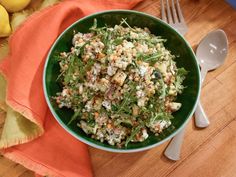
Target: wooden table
209, 152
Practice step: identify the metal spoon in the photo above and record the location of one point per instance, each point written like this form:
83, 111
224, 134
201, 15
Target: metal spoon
211, 54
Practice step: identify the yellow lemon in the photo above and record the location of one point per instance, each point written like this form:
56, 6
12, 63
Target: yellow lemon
5, 29
14, 5
18, 18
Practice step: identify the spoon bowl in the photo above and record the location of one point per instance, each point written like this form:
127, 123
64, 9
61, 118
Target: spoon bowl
212, 50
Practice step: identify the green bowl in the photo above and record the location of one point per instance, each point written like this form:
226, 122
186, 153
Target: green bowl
176, 44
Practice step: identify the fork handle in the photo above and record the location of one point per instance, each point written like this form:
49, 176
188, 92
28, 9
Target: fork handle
174, 148
201, 119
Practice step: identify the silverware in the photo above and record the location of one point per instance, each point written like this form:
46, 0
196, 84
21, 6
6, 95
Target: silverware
211, 54
173, 149
174, 16
175, 19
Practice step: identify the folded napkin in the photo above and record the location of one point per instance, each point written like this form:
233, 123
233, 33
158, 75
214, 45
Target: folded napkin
30, 135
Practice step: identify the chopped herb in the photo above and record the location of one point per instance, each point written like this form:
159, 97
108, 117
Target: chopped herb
181, 73
135, 130
75, 116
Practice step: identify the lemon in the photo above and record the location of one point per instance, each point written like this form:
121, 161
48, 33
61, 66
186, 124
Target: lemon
14, 5
5, 29
18, 18
47, 3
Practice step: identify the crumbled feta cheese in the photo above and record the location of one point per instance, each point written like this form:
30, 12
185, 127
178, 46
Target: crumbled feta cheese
143, 70
162, 67
172, 90
142, 48
111, 70
140, 93
87, 129
141, 102
81, 89
138, 87
159, 125
96, 69
64, 92
133, 35
101, 119
144, 134
115, 136
106, 104
100, 134
76, 38
172, 69
88, 106
174, 106
120, 63
164, 124
128, 45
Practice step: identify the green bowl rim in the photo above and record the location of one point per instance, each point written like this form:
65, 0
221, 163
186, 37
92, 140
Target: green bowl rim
107, 148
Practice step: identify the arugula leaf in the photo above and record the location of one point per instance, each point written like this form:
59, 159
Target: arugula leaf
125, 22
114, 108
182, 72
180, 76
91, 121
95, 24
118, 41
153, 58
60, 75
162, 90
156, 40
70, 70
150, 58
133, 133
75, 116
128, 99
126, 121
106, 39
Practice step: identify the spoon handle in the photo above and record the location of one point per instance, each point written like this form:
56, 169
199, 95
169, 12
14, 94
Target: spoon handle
203, 73
201, 119
173, 149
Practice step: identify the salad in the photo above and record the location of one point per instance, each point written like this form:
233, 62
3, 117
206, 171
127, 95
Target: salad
121, 82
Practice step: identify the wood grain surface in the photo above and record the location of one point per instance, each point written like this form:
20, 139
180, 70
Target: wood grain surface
209, 152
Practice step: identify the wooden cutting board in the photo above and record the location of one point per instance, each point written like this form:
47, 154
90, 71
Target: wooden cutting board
209, 152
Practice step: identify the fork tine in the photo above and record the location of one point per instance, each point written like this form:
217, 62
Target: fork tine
170, 20
174, 12
181, 18
163, 12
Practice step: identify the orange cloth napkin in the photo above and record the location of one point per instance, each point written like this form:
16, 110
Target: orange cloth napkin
55, 153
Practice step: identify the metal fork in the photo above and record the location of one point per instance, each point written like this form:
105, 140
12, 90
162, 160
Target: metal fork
174, 16
175, 19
